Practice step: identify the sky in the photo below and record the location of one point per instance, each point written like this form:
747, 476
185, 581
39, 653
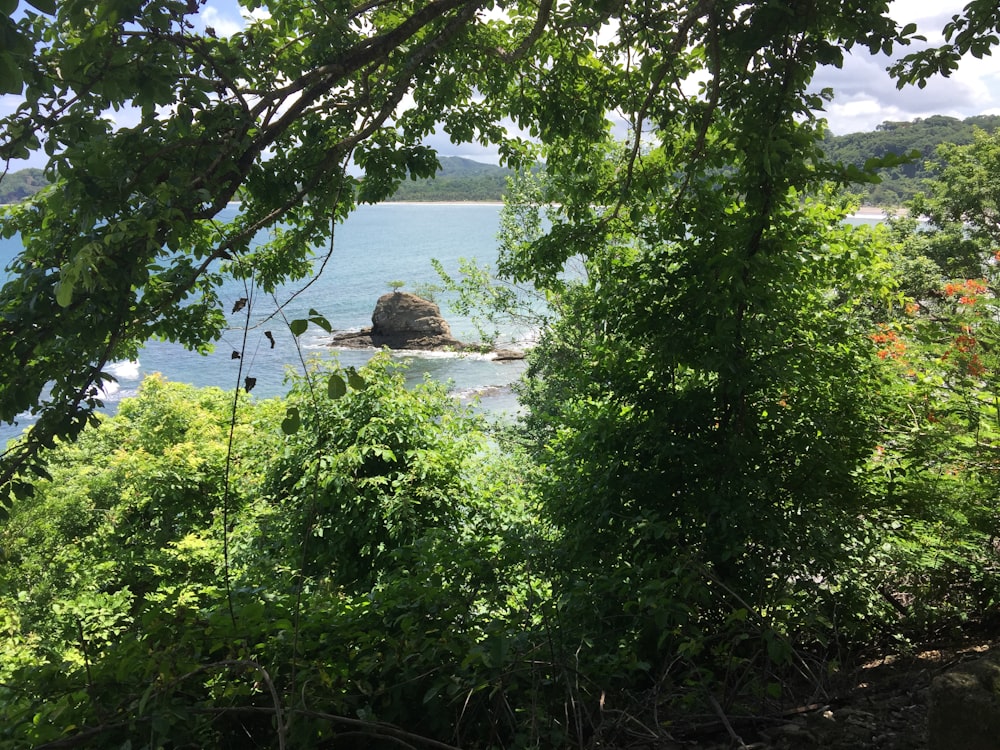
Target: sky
865, 95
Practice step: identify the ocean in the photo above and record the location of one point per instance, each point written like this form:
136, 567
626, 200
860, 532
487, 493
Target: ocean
376, 245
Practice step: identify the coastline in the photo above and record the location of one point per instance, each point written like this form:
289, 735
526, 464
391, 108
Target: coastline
441, 203
877, 212
863, 212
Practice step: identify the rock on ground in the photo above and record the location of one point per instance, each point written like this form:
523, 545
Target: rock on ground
964, 709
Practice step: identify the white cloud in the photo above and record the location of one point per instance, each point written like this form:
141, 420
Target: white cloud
225, 24
865, 95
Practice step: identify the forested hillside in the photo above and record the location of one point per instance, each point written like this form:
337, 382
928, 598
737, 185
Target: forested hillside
458, 179
17, 186
899, 184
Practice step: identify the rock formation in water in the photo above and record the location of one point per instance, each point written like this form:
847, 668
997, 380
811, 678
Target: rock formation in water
403, 321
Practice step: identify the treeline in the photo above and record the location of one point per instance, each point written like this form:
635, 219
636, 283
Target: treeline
461, 179
16, 186
900, 184
458, 179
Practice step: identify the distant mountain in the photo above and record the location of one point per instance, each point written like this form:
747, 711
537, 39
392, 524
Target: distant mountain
925, 135
458, 179
16, 186
461, 179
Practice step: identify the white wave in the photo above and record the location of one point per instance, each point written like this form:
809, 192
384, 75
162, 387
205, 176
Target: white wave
109, 390
124, 369
437, 354
481, 391
112, 393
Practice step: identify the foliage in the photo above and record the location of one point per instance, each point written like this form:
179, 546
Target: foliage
127, 245
121, 500
736, 445
17, 46
457, 179
372, 473
899, 184
936, 461
127, 619
487, 295
679, 471
973, 31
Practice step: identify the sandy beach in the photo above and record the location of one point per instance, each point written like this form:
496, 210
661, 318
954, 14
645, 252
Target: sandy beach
877, 212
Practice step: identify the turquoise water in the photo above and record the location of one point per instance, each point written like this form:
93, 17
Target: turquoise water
377, 244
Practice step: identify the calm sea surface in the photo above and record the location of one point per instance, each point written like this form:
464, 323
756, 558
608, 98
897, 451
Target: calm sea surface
376, 245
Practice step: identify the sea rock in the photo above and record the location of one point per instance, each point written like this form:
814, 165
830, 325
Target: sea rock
403, 321
964, 707
507, 355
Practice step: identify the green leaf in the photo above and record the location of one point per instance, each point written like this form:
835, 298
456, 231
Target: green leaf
11, 77
64, 293
356, 381
320, 320
432, 692
292, 421
336, 387
298, 326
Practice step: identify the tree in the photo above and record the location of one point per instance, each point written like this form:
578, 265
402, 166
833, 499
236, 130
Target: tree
126, 244
974, 31
118, 627
967, 192
937, 457
707, 402
16, 47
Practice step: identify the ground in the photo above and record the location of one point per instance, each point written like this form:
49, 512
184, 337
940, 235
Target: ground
879, 705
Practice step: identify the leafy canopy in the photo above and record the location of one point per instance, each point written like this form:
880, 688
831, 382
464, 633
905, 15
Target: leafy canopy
128, 244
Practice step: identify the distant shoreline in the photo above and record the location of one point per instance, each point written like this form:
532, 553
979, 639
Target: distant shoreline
876, 212
441, 203
864, 212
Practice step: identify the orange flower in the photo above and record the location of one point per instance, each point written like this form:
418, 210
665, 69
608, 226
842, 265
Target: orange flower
974, 366
966, 290
965, 343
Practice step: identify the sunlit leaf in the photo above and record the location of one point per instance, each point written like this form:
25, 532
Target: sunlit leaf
320, 321
64, 293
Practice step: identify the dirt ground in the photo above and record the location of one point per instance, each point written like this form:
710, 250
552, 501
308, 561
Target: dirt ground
880, 704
